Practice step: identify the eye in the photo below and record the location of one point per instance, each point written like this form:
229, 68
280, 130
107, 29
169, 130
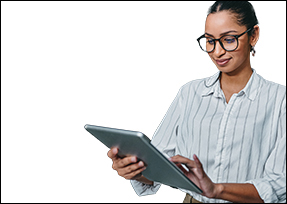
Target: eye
229, 39
209, 41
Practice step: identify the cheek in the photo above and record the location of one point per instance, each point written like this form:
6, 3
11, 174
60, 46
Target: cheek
241, 53
211, 56
243, 49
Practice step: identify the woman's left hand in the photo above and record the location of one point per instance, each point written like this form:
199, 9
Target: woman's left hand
197, 175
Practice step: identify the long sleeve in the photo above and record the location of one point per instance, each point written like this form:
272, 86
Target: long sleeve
164, 140
272, 187
242, 141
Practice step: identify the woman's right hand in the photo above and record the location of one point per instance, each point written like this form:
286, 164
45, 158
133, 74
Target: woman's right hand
127, 167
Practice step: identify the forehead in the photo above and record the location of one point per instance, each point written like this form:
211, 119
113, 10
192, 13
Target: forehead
221, 22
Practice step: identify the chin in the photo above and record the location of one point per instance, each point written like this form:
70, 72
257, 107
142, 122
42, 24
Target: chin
227, 70
224, 69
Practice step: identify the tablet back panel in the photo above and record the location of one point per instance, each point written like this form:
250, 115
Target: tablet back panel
159, 168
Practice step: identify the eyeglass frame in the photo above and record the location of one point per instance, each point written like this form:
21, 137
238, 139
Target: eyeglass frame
214, 41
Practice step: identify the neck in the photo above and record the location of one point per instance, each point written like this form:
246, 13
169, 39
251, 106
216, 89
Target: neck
235, 81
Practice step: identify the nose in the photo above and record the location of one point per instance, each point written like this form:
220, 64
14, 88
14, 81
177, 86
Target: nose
218, 50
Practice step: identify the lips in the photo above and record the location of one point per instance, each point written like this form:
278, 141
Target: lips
222, 62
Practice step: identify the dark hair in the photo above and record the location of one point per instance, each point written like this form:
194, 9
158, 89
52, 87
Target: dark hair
243, 10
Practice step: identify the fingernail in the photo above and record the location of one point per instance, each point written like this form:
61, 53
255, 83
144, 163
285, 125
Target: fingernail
141, 163
134, 159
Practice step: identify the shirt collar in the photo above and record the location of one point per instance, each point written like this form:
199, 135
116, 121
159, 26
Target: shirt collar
212, 86
253, 86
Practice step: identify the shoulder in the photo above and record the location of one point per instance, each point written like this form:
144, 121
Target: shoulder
279, 88
192, 87
276, 92
193, 84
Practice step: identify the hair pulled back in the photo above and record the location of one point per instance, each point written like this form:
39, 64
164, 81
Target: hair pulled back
243, 11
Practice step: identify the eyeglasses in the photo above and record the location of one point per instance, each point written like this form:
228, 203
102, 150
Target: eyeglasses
227, 42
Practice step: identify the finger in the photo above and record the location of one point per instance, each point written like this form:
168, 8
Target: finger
197, 162
135, 173
199, 169
180, 159
113, 153
121, 163
130, 168
185, 170
127, 161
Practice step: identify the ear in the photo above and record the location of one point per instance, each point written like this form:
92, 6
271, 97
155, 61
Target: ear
255, 36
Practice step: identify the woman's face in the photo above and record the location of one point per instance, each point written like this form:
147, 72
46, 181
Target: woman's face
222, 23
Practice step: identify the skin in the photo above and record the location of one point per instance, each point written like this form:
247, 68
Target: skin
235, 75
128, 167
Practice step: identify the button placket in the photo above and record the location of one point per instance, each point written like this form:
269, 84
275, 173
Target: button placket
220, 149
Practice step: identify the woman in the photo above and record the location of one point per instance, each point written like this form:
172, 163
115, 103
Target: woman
234, 121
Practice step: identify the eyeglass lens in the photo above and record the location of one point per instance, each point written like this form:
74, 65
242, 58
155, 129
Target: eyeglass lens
208, 44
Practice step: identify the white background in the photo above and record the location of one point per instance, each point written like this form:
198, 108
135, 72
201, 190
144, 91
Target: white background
115, 64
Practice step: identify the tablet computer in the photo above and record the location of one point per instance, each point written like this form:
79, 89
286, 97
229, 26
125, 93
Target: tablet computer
135, 143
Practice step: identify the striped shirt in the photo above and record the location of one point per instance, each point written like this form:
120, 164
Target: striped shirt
242, 141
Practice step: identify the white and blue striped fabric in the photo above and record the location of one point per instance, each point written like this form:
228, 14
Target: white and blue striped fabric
242, 141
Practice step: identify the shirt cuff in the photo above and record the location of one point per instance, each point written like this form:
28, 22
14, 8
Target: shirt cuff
264, 190
142, 189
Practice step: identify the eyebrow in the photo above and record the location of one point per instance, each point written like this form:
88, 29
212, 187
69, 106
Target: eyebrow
222, 33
